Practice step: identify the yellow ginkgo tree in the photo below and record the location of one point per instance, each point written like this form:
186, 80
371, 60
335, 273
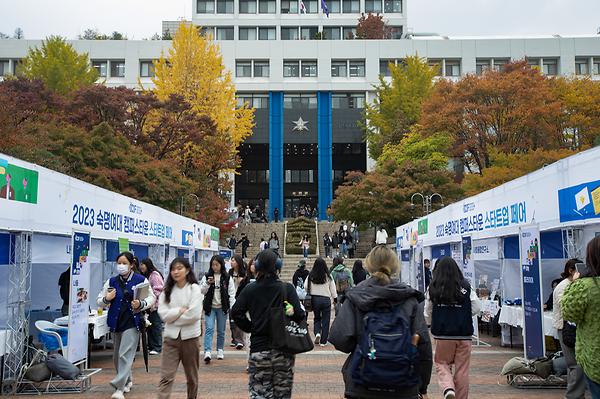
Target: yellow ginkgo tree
194, 69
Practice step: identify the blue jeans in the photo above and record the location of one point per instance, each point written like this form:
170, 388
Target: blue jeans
221, 320
322, 310
344, 249
594, 388
305, 252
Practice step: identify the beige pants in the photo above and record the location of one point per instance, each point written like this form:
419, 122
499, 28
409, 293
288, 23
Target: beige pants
175, 351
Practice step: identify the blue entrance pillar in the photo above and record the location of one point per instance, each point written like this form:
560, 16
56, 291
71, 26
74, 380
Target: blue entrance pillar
275, 153
325, 183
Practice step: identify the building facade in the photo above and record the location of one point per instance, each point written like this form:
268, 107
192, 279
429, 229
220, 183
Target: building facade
309, 79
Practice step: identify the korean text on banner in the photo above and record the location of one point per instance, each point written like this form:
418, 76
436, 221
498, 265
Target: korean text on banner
79, 301
529, 244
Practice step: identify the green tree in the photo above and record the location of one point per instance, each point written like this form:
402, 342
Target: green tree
414, 146
59, 66
383, 196
397, 104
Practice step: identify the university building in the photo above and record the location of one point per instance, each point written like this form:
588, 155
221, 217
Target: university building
309, 79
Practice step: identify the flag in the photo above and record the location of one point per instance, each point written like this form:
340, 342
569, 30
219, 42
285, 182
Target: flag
582, 198
325, 8
302, 7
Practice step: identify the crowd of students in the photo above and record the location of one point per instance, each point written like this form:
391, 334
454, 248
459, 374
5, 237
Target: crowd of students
382, 324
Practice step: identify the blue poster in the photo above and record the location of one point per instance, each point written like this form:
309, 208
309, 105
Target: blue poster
79, 298
579, 202
533, 317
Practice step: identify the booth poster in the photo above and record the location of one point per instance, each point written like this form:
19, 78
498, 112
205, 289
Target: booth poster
529, 244
79, 301
418, 267
468, 265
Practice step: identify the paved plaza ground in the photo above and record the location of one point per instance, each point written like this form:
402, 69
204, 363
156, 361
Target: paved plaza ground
317, 375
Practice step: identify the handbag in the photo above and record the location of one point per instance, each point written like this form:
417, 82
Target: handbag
307, 302
288, 336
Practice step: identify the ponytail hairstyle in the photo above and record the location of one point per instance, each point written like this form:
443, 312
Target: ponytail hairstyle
382, 264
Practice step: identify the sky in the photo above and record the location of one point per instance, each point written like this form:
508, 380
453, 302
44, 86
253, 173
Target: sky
140, 19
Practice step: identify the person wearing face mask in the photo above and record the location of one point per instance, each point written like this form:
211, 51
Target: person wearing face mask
124, 319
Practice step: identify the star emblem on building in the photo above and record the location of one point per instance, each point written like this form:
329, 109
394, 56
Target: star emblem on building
300, 125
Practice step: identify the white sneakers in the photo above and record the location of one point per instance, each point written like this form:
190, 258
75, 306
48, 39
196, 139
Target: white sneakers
449, 394
317, 339
220, 354
118, 394
127, 387
153, 353
207, 357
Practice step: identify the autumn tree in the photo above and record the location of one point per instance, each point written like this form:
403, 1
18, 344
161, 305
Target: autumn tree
194, 69
59, 66
372, 26
398, 103
506, 167
580, 116
383, 196
414, 146
513, 111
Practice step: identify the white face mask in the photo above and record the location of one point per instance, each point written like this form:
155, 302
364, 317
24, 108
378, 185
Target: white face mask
122, 269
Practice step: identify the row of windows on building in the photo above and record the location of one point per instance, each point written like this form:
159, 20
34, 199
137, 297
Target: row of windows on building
290, 176
304, 101
548, 66
339, 68
293, 6
300, 68
290, 32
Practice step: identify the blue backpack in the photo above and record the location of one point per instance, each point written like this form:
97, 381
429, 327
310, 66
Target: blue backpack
385, 358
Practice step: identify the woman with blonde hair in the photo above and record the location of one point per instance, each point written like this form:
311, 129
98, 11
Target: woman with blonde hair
379, 308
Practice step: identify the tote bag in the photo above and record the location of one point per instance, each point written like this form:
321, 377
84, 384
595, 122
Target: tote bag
287, 335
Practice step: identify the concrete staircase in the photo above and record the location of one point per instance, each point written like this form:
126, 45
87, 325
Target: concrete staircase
365, 239
256, 231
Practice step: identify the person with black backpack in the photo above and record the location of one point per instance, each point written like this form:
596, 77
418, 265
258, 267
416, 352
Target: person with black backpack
379, 324
342, 277
449, 308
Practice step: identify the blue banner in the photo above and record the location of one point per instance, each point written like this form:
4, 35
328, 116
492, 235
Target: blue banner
187, 238
533, 316
439, 251
579, 202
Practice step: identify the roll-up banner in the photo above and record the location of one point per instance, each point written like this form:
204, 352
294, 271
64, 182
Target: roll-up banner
79, 298
531, 277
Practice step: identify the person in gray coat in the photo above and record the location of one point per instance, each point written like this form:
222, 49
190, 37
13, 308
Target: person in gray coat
382, 291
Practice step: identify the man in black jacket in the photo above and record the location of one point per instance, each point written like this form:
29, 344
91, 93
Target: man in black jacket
245, 244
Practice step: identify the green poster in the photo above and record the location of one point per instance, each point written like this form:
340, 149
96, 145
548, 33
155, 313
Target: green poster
18, 184
123, 244
214, 235
423, 226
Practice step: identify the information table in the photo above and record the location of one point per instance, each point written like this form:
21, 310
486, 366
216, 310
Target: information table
98, 324
513, 316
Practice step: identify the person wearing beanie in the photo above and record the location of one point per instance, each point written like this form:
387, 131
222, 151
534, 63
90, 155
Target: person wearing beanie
268, 368
380, 294
300, 274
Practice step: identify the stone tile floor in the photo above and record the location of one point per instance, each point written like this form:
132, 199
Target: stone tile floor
317, 375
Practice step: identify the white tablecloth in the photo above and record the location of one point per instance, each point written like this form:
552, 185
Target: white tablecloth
513, 316
98, 323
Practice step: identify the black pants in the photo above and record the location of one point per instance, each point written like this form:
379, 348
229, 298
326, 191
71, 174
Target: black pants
244, 254
155, 332
425, 365
322, 310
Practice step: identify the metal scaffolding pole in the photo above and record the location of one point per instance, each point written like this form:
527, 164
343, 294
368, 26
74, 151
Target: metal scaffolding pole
573, 242
19, 297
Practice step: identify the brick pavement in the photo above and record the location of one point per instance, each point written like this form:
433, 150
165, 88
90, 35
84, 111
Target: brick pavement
317, 375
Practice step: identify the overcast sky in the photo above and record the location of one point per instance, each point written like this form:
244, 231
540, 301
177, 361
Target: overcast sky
142, 18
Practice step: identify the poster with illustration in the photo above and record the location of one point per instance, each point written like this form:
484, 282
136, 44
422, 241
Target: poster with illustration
79, 298
18, 184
